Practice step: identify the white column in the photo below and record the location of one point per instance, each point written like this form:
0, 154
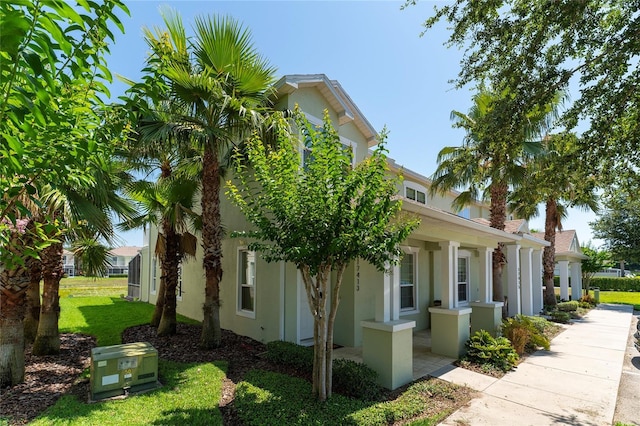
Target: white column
395, 293
576, 280
563, 265
448, 272
526, 280
383, 298
513, 278
486, 274
536, 274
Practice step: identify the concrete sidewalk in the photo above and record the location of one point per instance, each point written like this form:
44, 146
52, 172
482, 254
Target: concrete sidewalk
575, 383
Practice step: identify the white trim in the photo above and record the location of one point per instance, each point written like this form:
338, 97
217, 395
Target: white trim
153, 288
415, 309
466, 255
282, 300
239, 311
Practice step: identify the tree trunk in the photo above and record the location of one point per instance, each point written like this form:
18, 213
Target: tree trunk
13, 288
548, 255
497, 219
212, 244
335, 300
48, 338
170, 262
33, 302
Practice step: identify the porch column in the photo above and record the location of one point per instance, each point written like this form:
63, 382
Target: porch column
448, 279
563, 265
383, 299
449, 323
486, 314
576, 280
513, 278
536, 273
526, 280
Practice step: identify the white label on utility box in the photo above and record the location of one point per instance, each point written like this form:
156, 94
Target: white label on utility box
111, 379
127, 363
102, 363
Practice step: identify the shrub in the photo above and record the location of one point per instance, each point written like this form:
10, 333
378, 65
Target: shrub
350, 378
560, 316
568, 306
616, 284
287, 353
355, 379
483, 348
525, 333
587, 300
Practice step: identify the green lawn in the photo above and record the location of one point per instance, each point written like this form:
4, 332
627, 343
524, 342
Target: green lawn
621, 297
83, 286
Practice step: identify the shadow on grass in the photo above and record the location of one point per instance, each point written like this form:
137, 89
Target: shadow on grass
189, 396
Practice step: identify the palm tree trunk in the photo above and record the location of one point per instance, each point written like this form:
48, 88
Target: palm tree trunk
32, 316
548, 255
169, 264
212, 244
497, 219
48, 338
14, 284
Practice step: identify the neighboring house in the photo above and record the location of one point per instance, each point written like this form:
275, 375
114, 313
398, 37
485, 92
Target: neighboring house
444, 281
568, 259
68, 263
119, 259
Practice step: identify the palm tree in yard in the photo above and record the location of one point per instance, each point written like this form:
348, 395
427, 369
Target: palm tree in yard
490, 160
168, 204
557, 180
220, 91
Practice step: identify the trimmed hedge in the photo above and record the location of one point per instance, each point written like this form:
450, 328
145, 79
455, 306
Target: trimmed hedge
609, 283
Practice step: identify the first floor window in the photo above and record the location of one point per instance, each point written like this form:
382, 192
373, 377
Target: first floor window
463, 279
407, 282
153, 275
246, 281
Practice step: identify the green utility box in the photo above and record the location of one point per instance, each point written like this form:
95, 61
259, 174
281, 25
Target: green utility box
123, 369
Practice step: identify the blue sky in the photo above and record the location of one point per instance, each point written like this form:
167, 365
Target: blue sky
374, 50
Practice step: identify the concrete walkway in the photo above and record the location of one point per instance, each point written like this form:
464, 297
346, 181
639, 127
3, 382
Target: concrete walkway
575, 383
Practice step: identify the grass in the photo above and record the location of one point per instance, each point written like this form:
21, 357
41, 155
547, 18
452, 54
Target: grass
189, 396
83, 286
621, 297
268, 398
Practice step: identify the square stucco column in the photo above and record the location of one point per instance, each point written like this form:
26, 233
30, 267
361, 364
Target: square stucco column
446, 275
536, 274
576, 280
486, 314
563, 265
513, 278
526, 280
387, 347
449, 331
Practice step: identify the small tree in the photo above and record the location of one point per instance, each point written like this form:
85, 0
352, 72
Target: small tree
597, 260
321, 217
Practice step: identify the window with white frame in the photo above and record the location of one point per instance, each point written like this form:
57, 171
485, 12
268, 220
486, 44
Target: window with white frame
463, 280
415, 192
246, 283
154, 274
348, 145
409, 281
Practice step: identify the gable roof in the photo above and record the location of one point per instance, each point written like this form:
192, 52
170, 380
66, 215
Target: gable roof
125, 251
335, 95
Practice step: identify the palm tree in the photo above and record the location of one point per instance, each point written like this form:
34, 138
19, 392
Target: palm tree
557, 180
169, 204
490, 160
221, 91
74, 212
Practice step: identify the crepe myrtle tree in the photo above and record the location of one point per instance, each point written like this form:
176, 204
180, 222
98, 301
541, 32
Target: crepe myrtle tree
320, 216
